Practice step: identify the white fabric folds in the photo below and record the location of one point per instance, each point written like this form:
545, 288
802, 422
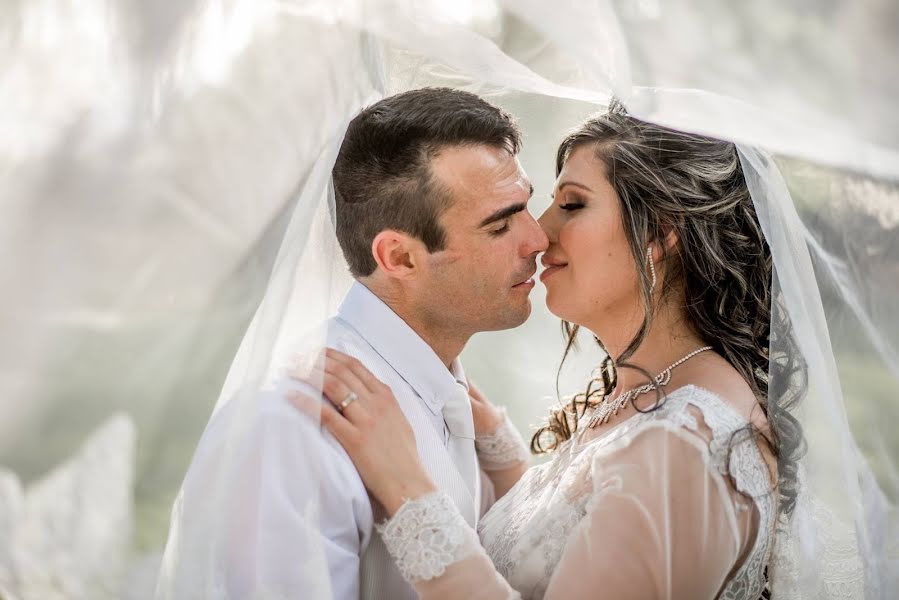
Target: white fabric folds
166, 237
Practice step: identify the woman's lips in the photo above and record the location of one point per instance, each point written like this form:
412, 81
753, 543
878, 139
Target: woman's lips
549, 270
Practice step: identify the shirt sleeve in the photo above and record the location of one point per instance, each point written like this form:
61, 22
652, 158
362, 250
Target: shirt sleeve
293, 506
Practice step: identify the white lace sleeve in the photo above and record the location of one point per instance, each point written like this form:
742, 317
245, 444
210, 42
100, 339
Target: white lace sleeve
503, 448
439, 554
426, 535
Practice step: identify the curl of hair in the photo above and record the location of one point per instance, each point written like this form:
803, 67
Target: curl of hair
670, 180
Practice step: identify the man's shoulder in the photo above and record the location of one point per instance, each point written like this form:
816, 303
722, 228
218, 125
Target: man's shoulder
265, 403
336, 333
333, 333
263, 420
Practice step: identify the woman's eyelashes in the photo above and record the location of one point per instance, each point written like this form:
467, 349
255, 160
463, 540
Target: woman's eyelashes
571, 202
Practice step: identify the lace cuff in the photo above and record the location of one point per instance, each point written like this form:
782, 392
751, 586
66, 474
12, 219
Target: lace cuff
427, 535
502, 449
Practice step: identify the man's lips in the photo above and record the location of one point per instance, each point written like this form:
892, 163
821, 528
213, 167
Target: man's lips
527, 282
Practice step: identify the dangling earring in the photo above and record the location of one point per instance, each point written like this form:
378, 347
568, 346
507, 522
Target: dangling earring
652, 270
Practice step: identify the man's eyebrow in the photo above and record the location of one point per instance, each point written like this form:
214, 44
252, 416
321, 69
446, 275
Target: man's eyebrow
504, 213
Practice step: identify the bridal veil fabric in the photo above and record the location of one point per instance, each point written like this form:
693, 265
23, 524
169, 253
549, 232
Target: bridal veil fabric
166, 240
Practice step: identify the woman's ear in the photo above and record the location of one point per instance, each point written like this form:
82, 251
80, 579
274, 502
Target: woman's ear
669, 242
396, 253
656, 250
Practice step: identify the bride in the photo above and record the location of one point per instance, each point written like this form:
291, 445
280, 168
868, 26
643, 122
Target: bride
669, 473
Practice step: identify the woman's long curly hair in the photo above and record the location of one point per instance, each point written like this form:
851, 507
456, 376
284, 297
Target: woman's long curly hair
669, 180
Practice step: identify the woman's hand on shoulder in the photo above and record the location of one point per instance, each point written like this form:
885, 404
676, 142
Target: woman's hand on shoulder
364, 416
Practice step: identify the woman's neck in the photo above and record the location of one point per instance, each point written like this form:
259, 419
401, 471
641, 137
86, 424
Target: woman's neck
668, 340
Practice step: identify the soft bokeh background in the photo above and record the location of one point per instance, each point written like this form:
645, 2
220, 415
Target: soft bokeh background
142, 208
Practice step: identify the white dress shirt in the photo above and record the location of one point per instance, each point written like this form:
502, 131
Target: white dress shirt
271, 551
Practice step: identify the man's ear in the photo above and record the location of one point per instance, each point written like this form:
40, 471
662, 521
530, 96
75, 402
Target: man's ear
397, 254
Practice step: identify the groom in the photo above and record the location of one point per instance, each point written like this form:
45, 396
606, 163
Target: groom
431, 210
431, 216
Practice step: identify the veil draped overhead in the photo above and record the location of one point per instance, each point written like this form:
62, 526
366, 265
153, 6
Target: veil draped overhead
166, 236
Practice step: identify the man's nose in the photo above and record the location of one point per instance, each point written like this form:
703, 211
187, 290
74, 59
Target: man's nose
537, 240
545, 223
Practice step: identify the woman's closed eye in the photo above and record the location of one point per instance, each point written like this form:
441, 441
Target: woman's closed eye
570, 201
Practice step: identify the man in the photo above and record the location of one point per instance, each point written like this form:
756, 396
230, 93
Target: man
431, 216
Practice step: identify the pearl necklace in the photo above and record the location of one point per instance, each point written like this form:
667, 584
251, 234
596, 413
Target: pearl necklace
608, 408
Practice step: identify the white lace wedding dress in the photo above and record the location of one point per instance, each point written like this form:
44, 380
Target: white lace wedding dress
662, 505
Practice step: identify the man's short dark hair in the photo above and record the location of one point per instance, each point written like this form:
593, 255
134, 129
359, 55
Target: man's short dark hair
382, 177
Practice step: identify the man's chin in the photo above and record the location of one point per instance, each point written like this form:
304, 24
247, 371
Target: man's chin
512, 319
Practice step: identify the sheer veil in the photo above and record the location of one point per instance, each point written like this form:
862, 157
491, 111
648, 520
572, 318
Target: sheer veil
166, 189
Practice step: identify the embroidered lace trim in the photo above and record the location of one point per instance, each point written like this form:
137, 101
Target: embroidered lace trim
502, 449
426, 535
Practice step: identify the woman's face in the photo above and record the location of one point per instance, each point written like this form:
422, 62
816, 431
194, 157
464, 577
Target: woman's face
590, 276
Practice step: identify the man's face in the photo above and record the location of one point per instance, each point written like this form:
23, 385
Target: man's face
481, 280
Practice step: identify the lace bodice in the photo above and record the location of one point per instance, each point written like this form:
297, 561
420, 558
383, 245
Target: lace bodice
605, 491
526, 531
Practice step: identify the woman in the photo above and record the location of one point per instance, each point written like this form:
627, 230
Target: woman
670, 470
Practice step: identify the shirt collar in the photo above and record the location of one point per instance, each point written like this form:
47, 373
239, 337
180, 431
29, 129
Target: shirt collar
401, 347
